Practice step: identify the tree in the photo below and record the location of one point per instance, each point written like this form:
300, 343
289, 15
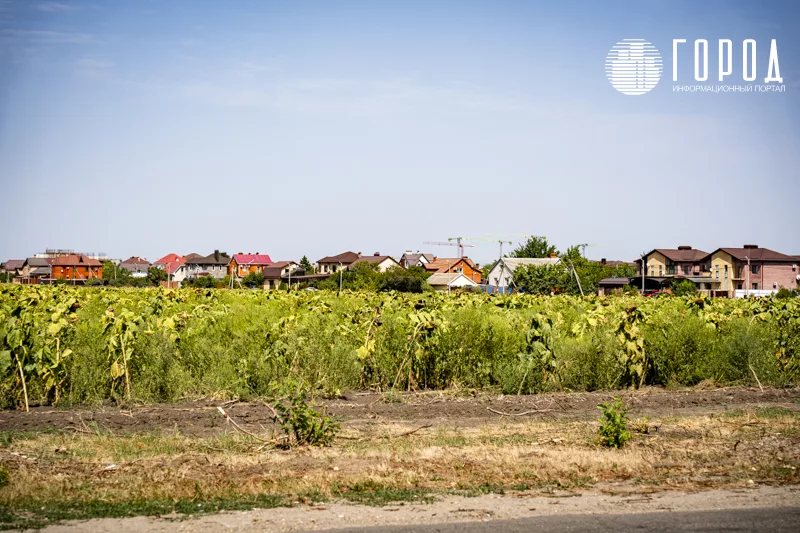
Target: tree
156, 275
203, 282
683, 287
306, 264
253, 280
535, 247
401, 280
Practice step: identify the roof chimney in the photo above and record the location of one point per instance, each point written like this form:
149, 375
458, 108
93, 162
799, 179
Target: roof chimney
216, 255
603, 261
377, 254
750, 246
359, 254
684, 247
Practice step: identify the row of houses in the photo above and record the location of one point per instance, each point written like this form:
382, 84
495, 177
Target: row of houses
80, 269
730, 272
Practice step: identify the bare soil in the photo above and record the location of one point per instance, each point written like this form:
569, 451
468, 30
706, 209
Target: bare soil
202, 419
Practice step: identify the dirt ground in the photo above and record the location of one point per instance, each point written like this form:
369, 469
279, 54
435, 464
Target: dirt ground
448, 509
357, 410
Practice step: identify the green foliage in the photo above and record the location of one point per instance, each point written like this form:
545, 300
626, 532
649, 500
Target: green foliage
81, 345
253, 280
402, 280
367, 277
534, 247
784, 293
306, 265
5, 476
303, 424
683, 287
156, 275
202, 282
613, 431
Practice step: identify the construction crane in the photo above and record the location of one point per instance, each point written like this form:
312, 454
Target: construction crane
450, 242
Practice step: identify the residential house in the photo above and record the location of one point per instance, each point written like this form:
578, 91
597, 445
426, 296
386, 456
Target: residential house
77, 268
136, 266
333, 263
34, 270
445, 282
214, 265
171, 263
13, 267
280, 272
454, 265
383, 262
609, 285
410, 259
683, 261
751, 270
501, 275
244, 264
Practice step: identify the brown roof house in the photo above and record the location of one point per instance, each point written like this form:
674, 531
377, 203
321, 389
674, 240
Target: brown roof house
752, 271
383, 262
136, 266
410, 259
76, 268
214, 265
454, 265
34, 270
280, 272
333, 263
683, 261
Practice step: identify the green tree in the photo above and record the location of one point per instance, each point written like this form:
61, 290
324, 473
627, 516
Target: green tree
306, 264
156, 275
115, 274
402, 280
683, 287
253, 280
535, 247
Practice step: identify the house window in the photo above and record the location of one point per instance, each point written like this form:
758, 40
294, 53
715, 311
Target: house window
739, 286
755, 268
660, 270
755, 286
726, 271
716, 268
652, 271
686, 270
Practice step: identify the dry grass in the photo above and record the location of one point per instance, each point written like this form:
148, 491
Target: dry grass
687, 452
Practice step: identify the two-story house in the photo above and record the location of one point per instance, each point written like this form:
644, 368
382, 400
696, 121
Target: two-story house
76, 267
683, 261
214, 265
34, 270
454, 265
410, 259
244, 264
752, 269
333, 263
280, 272
137, 266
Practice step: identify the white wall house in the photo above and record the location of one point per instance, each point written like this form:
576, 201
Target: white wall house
502, 273
444, 282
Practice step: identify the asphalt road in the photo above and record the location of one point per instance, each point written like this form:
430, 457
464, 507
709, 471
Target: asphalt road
779, 520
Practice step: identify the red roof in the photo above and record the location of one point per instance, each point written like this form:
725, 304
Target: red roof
170, 263
167, 259
252, 259
75, 260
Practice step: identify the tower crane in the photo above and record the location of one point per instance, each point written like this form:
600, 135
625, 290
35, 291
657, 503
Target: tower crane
450, 242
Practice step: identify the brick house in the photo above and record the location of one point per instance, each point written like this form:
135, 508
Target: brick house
76, 267
454, 265
751, 268
244, 264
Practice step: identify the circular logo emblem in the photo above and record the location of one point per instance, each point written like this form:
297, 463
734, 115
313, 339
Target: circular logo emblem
633, 66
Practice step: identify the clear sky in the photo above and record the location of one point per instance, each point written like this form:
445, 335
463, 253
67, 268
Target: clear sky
289, 128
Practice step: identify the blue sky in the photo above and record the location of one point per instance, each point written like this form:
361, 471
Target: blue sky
291, 128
